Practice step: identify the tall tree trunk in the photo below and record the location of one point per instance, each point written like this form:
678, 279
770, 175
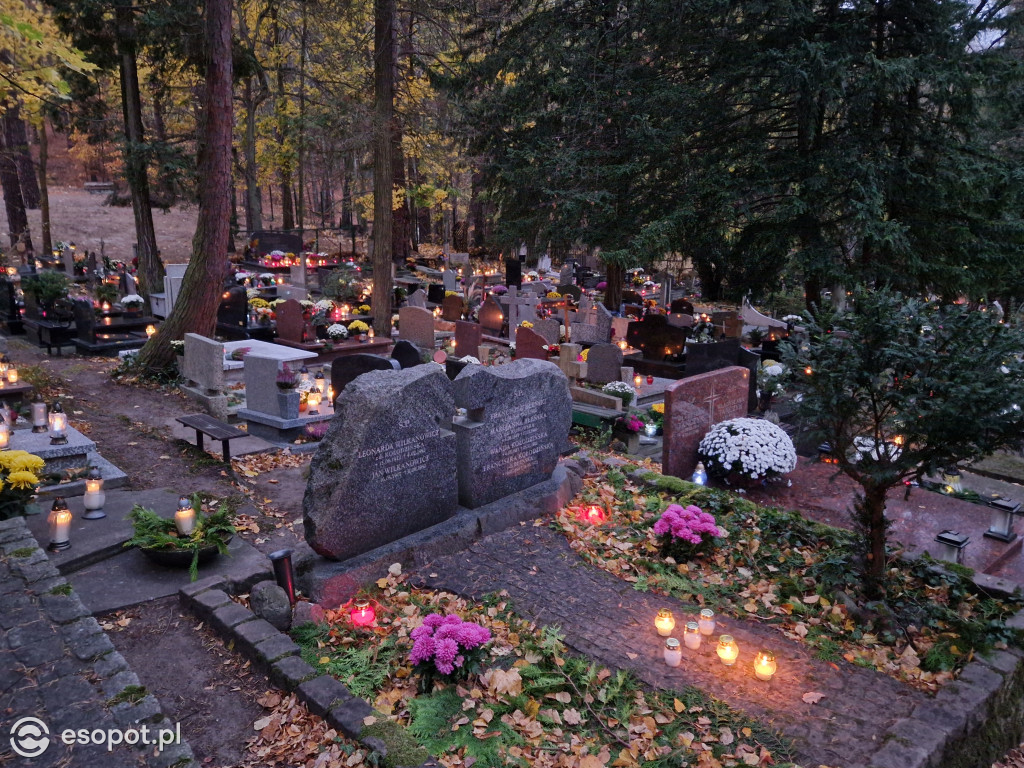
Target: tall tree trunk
476, 220
870, 513
253, 193
196, 308
301, 139
400, 224
44, 188
285, 168
14, 203
16, 139
385, 129
615, 275
151, 269
165, 187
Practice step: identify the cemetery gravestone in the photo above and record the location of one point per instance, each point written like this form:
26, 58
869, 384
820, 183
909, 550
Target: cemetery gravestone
204, 363
570, 290
9, 314
656, 339
233, 312
416, 325
263, 242
549, 328
604, 363
565, 275
751, 361
632, 297
68, 258
435, 293
449, 280
681, 307
701, 358
291, 323
417, 299
544, 263
513, 273
592, 326
520, 307
468, 338
261, 385
692, 406
451, 308
569, 362
345, 370
517, 424
85, 320
407, 354
385, 469
530, 345
680, 320
492, 317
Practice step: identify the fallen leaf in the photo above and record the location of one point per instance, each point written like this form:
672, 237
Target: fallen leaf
812, 697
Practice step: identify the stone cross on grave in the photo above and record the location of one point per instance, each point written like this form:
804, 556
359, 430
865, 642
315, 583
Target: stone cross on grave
520, 307
711, 399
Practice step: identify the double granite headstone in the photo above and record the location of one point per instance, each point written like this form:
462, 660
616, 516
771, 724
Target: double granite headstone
396, 460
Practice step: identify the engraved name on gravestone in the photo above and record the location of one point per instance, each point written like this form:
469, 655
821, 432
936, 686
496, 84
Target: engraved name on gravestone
516, 426
692, 405
386, 467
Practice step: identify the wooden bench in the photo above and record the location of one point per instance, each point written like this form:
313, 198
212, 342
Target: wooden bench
204, 424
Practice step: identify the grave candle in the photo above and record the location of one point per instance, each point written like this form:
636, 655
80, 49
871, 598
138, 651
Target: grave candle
691, 636
12, 375
313, 401
150, 330
700, 475
638, 380
185, 517
60, 525
5, 436
623, 345
94, 497
593, 514
58, 425
39, 420
650, 380
369, 333
728, 650
673, 653
706, 622
362, 613
105, 306
764, 665
664, 622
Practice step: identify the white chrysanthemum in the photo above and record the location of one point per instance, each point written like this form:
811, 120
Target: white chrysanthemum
753, 448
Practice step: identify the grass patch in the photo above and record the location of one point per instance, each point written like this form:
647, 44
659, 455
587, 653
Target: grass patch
61, 589
529, 700
797, 574
130, 694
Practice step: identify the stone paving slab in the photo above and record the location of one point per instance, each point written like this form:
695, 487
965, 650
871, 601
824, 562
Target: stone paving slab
59, 667
130, 578
603, 617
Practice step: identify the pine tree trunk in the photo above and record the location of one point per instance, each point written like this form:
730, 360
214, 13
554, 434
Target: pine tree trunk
151, 269
196, 308
614, 277
872, 516
17, 145
14, 203
44, 188
253, 194
385, 129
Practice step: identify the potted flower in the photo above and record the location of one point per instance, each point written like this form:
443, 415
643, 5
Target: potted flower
685, 532
769, 382
359, 327
161, 538
621, 390
447, 647
132, 304
288, 399
337, 332
627, 428
19, 478
747, 450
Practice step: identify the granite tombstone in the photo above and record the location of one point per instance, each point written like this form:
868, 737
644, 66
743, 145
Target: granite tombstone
407, 354
492, 317
468, 338
516, 426
656, 339
451, 308
292, 324
417, 298
345, 370
530, 345
692, 406
386, 467
549, 328
604, 363
416, 325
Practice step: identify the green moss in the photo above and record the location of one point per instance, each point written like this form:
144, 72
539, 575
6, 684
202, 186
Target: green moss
402, 748
61, 589
23, 552
131, 694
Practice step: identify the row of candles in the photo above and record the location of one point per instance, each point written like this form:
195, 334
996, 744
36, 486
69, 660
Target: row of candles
694, 632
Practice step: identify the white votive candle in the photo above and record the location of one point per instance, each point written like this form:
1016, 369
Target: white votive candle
691, 636
706, 622
673, 653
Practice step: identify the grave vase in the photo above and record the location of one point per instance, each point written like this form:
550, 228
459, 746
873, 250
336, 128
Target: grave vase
288, 404
764, 401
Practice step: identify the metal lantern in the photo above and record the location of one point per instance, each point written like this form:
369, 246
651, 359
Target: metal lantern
58, 421
700, 475
951, 546
94, 497
303, 376
39, 420
60, 525
313, 399
1001, 525
185, 517
951, 480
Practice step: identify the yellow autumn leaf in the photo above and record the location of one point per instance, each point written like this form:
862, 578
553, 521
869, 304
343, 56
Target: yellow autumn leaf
325, 659
679, 707
532, 708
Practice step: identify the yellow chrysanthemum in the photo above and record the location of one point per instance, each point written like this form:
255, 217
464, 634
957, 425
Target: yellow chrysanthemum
364, 309
658, 407
554, 295
583, 354
27, 462
22, 479
526, 324
7, 458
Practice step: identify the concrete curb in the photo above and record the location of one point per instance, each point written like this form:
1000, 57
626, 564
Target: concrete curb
277, 655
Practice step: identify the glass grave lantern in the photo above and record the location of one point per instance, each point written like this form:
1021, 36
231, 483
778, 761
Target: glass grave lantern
94, 497
58, 425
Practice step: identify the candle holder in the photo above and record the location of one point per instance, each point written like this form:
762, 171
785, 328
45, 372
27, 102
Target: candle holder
40, 423
765, 665
664, 622
362, 614
58, 425
94, 497
691, 636
673, 653
185, 517
728, 651
706, 622
60, 526
282, 561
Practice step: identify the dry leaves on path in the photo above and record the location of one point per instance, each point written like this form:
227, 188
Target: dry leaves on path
290, 735
255, 464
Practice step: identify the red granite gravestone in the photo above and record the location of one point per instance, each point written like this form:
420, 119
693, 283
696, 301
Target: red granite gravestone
530, 345
291, 325
692, 405
451, 308
468, 338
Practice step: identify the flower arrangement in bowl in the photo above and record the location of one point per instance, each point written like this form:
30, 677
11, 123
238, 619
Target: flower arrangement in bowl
621, 390
685, 532
770, 377
363, 309
132, 302
19, 478
630, 423
703, 332
553, 295
749, 449
161, 541
337, 332
447, 646
358, 326
526, 324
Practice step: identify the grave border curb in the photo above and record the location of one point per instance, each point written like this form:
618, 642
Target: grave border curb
323, 694
971, 721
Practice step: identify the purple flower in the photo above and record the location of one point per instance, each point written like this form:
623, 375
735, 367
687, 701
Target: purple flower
441, 638
445, 652
690, 524
422, 650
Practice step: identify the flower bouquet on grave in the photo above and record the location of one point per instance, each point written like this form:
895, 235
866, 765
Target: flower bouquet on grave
132, 303
621, 390
360, 328
448, 648
629, 423
337, 332
683, 533
19, 478
656, 415
286, 380
703, 332
745, 450
189, 541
